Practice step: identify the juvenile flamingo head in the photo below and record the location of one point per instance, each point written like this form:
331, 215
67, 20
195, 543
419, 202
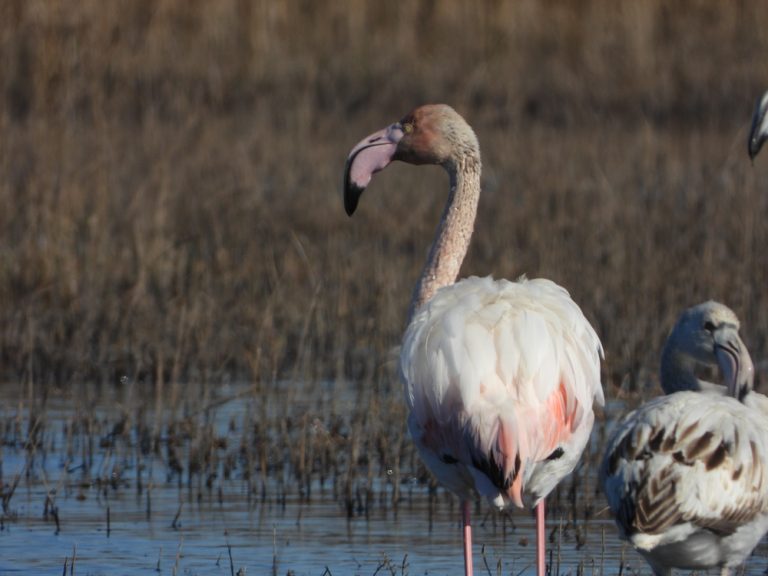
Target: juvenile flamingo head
707, 335
430, 134
759, 131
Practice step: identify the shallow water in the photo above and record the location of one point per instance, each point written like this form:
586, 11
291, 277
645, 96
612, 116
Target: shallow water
169, 524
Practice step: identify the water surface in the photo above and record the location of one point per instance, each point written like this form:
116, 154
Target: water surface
122, 511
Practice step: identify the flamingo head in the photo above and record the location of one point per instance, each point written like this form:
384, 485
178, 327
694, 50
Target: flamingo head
759, 131
707, 336
430, 134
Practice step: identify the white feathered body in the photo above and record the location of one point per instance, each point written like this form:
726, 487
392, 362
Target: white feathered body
685, 476
500, 378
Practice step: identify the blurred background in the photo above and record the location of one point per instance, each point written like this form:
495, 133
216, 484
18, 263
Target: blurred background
170, 197
170, 175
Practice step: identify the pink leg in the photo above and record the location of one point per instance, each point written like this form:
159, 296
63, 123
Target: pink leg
467, 538
541, 557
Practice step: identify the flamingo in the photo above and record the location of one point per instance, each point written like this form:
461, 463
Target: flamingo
759, 131
500, 377
685, 474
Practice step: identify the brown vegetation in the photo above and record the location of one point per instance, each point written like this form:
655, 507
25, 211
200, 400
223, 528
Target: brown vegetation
170, 174
171, 216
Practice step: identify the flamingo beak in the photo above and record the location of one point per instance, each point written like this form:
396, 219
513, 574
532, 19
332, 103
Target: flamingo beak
758, 133
734, 361
369, 156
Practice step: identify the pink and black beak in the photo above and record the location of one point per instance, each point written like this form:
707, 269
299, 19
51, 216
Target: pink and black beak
369, 156
734, 361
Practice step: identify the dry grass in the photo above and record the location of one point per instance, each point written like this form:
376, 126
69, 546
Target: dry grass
170, 174
171, 215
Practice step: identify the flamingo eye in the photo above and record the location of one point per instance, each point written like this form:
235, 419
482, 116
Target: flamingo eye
407, 127
709, 326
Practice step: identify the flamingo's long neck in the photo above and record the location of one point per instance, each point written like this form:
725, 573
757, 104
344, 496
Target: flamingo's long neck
453, 233
678, 374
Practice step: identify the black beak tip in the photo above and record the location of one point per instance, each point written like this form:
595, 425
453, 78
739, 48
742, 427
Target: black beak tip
757, 137
352, 193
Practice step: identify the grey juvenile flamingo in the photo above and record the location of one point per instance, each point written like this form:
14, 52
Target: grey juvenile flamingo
685, 474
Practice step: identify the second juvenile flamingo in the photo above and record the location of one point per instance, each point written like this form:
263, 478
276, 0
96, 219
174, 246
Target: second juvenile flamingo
500, 377
685, 474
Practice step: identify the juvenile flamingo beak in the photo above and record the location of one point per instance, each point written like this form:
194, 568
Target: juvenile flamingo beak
369, 156
735, 362
758, 133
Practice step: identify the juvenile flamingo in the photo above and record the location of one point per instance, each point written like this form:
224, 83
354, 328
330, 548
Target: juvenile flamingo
500, 377
685, 474
759, 131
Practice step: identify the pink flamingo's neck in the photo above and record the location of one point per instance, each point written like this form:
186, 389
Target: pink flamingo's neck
453, 233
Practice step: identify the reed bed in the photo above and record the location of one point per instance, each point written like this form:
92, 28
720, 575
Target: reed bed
172, 223
170, 176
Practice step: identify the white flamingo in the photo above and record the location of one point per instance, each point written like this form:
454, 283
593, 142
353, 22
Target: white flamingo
759, 131
500, 377
685, 474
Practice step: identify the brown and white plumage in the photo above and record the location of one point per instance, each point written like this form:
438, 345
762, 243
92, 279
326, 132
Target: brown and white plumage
758, 133
500, 377
685, 474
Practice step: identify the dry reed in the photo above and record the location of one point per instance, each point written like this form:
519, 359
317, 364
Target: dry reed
170, 182
169, 173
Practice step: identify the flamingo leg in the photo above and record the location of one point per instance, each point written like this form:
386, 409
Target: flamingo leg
541, 560
467, 538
